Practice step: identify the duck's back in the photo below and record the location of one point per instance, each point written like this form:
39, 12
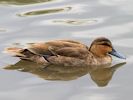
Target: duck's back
61, 47
66, 52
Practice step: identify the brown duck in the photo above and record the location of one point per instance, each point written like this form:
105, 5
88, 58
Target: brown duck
68, 52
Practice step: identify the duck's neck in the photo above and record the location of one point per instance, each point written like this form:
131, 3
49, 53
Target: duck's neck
102, 60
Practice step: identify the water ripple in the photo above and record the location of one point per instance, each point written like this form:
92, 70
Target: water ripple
2, 30
22, 2
75, 21
45, 11
107, 31
69, 22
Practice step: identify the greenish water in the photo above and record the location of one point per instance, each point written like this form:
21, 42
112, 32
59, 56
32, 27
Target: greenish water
27, 21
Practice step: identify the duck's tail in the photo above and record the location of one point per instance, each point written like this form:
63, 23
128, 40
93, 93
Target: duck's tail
25, 54
19, 52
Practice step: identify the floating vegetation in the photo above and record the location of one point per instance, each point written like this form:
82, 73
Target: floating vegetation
22, 2
45, 11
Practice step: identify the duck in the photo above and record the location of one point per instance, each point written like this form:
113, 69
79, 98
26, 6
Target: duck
68, 52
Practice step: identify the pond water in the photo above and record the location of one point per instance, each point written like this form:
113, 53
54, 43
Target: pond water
26, 21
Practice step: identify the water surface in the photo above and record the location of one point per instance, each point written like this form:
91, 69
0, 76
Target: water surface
27, 21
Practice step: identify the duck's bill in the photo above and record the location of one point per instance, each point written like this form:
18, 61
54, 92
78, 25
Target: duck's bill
115, 53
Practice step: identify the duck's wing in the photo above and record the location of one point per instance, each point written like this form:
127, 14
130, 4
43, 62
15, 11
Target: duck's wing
73, 52
60, 47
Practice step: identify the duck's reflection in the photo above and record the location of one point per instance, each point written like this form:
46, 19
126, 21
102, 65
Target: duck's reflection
101, 75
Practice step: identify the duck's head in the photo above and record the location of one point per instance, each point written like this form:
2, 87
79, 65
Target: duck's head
102, 46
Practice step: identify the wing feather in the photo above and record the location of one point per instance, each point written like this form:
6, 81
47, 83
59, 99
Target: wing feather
67, 48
